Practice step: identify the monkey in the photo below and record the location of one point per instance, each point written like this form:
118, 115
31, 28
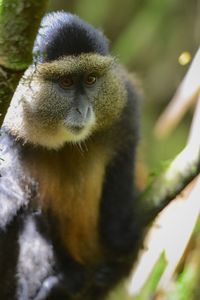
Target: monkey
69, 222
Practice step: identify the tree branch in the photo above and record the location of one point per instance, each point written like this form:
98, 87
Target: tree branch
183, 169
19, 22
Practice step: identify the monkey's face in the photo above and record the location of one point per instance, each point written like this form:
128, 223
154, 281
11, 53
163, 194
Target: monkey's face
69, 99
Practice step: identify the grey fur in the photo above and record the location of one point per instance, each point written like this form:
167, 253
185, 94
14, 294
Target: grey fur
12, 196
33, 269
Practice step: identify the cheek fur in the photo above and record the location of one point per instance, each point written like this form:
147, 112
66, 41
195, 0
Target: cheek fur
110, 101
49, 108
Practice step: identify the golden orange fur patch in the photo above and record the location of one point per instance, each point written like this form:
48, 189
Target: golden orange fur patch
70, 184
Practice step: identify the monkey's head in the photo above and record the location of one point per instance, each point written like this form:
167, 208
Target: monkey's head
73, 89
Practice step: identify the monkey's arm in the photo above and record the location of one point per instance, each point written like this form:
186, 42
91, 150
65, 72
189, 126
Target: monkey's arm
12, 196
11, 200
119, 221
121, 234
118, 209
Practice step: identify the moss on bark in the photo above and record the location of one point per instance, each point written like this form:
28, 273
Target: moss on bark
19, 22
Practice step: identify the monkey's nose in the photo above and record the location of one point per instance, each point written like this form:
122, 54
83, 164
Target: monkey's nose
84, 111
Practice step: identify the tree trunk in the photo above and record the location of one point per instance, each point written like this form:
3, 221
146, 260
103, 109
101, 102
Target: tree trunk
19, 22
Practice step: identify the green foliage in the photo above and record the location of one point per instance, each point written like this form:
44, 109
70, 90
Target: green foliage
147, 22
94, 12
150, 286
183, 289
186, 283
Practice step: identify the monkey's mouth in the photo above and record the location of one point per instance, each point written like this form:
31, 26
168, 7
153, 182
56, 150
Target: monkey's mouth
76, 128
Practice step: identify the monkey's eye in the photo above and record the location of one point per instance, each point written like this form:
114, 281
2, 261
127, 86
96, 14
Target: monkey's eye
66, 83
90, 79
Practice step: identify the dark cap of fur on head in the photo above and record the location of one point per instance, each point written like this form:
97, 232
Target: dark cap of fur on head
64, 34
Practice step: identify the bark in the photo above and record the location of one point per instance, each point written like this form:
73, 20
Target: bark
19, 22
165, 187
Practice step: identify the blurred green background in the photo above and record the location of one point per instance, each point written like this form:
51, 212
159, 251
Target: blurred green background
148, 36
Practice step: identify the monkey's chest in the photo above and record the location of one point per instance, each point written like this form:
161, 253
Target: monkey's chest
73, 194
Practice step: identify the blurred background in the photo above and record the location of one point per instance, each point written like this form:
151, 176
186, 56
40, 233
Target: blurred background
156, 40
